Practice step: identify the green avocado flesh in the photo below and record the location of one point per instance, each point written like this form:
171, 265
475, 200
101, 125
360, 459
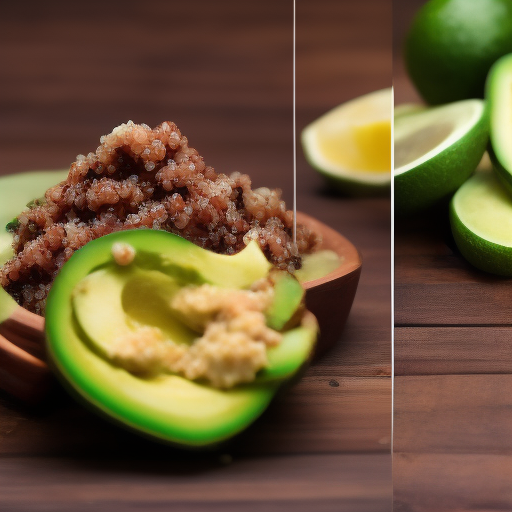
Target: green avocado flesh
498, 94
287, 299
94, 300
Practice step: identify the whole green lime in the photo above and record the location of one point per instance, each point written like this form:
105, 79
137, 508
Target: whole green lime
452, 44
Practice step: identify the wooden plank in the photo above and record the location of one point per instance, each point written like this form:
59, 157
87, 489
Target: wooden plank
434, 285
324, 414
452, 482
452, 443
452, 428
464, 303
452, 350
314, 482
453, 414
365, 346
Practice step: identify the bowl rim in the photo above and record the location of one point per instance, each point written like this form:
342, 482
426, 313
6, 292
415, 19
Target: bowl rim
331, 239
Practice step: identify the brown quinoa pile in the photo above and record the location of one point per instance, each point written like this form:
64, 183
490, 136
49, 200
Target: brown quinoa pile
144, 178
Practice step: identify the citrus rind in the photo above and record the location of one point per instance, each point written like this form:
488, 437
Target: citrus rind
370, 108
425, 173
481, 222
499, 97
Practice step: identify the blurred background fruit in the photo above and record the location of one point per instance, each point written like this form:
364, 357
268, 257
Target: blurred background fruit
351, 144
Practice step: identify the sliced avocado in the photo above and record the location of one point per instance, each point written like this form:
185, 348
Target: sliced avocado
93, 300
120, 299
288, 296
289, 356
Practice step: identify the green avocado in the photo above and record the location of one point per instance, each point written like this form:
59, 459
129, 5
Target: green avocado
288, 296
94, 300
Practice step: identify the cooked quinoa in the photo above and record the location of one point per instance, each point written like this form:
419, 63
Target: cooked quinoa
144, 178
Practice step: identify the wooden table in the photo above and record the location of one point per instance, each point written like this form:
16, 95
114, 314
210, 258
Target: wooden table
222, 70
453, 368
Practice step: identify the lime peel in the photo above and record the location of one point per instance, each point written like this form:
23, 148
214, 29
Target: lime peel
452, 44
461, 115
437, 150
481, 221
499, 96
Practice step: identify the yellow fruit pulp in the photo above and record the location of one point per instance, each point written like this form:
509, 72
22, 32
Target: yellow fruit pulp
364, 147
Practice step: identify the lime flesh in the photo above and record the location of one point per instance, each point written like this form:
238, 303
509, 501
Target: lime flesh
481, 220
436, 150
499, 97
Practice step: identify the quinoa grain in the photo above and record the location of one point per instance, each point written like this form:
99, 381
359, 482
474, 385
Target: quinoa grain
144, 178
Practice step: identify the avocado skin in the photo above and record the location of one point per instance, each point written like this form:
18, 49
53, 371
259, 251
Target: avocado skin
166, 408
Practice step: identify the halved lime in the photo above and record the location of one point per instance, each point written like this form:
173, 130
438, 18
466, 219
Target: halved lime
481, 220
351, 144
436, 150
499, 96
407, 108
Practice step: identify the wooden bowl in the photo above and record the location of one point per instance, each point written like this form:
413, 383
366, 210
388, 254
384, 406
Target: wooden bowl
25, 374
330, 297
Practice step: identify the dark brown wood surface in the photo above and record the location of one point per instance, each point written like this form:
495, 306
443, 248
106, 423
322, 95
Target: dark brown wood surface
453, 363
222, 70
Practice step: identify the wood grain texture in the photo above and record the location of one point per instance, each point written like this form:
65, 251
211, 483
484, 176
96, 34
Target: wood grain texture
328, 414
452, 405
249, 484
445, 482
453, 350
453, 414
223, 72
435, 285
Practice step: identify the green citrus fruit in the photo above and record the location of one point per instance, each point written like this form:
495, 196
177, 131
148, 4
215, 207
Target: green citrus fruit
481, 220
453, 43
407, 108
351, 144
436, 150
499, 97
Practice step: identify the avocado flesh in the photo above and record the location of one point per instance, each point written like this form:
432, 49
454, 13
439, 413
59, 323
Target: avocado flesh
120, 299
164, 406
288, 296
103, 296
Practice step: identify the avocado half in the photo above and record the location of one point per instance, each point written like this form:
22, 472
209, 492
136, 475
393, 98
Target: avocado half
164, 406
